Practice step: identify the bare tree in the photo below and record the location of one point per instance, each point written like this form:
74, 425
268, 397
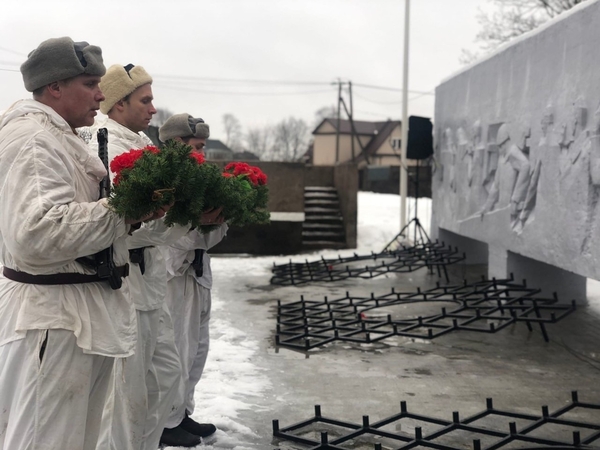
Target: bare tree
233, 132
326, 112
161, 116
511, 18
291, 139
259, 141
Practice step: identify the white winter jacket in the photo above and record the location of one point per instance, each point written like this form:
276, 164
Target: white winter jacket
180, 255
49, 216
149, 290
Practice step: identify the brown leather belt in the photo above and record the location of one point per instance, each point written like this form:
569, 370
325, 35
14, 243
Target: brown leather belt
59, 278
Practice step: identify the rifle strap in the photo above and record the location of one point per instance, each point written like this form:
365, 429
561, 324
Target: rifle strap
59, 278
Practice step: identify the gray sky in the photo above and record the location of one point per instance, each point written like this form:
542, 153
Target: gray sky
211, 57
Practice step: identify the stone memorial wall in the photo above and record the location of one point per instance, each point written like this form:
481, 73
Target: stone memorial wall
516, 180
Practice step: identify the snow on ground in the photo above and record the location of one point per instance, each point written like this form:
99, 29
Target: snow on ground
379, 219
234, 387
232, 384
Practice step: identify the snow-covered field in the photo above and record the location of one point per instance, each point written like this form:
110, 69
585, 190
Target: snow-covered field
237, 390
232, 384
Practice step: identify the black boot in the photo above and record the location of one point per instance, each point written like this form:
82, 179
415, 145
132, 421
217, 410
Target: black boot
199, 429
178, 437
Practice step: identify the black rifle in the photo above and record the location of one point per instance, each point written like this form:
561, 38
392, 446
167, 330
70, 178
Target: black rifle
105, 264
198, 262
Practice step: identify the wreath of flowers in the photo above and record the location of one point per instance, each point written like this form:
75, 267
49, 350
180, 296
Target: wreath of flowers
147, 179
242, 193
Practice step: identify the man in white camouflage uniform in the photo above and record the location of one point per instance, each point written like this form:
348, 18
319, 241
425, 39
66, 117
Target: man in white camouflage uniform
61, 326
147, 385
188, 289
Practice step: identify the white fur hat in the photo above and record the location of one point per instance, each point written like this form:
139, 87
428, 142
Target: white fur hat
119, 82
182, 126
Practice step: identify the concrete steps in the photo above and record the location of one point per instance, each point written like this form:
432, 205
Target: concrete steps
323, 226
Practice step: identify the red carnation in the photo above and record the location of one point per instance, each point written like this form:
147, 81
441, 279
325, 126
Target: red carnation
125, 160
237, 168
199, 157
259, 176
253, 173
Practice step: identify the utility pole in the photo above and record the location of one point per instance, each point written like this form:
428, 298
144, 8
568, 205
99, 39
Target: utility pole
348, 109
352, 136
337, 133
404, 142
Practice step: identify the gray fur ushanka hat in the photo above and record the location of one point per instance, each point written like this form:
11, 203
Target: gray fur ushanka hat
182, 126
58, 59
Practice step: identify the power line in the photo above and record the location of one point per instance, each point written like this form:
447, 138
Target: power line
255, 81
202, 91
241, 80
386, 88
373, 114
395, 102
281, 82
12, 51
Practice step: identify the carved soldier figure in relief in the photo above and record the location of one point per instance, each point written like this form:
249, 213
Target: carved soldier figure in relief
512, 157
595, 149
438, 163
477, 150
475, 174
449, 159
465, 148
536, 164
572, 137
490, 160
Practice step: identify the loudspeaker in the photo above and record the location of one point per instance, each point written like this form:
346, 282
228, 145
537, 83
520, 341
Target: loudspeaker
420, 138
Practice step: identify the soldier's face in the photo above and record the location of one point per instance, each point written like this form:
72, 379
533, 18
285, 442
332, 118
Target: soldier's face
139, 109
197, 144
80, 99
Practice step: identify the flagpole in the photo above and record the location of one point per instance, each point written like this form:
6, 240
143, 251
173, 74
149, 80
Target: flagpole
404, 141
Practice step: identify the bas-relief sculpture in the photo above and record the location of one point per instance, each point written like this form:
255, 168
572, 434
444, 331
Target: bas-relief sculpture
508, 171
535, 162
513, 164
573, 137
595, 149
531, 202
449, 159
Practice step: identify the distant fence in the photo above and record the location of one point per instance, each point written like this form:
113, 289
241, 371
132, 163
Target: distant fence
386, 180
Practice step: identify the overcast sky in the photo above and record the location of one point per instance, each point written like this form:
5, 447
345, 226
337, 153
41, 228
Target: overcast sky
261, 60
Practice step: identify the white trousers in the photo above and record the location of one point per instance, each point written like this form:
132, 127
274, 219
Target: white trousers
146, 387
189, 304
51, 399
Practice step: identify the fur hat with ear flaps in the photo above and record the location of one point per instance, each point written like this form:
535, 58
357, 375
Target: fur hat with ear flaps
119, 82
57, 59
183, 126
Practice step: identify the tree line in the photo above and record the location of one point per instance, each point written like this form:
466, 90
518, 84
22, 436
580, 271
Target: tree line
287, 140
